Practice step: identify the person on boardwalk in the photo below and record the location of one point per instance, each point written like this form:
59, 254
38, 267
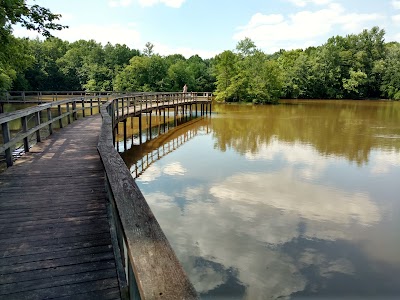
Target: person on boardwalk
185, 88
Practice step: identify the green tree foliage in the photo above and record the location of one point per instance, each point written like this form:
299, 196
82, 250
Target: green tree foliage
247, 76
355, 66
32, 17
246, 47
15, 58
344, 67
44, 73
143, 74
14, 55
390, 70
225, 71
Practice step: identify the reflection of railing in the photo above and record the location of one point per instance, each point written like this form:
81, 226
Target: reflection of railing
152, 270
149, 158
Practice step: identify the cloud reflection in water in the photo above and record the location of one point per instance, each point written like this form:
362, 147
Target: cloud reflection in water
235, 231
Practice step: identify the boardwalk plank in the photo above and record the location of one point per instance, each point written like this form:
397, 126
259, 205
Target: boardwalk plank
66, 290
54, 232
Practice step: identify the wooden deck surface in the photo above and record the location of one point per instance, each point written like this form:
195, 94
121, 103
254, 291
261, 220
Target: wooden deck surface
54, 232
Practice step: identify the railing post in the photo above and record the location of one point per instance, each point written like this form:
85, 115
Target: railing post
69, 115
6, 138
117, 108
140, 127
91, 106
125, 135
83, 107
59, 114
150, 125
24, 121
75, 113
49, 118
122, 105
37, 123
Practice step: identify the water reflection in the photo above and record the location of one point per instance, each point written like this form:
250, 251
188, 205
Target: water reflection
265, 207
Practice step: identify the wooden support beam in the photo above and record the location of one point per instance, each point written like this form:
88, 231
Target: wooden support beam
24, 122
6, 138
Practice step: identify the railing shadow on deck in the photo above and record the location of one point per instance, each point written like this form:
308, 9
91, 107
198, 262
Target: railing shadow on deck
151, 268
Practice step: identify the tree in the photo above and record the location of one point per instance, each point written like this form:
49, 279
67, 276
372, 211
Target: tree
390, 70
264, 79
44, 74
289, 64
143, 74
14, 58
81, 63
32, 17
225, 71
246, 47
351, 85
179, 75
148, 50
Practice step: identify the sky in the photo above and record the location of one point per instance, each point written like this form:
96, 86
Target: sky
208, 27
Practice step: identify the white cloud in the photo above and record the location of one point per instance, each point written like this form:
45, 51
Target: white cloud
253, 224
170, 3
302, 3
396, 4
383, 161
152, 173
271, 32
185, 51
304, 200
174, 169
306, 158
118, 3
146, 3
102, 33
396, 19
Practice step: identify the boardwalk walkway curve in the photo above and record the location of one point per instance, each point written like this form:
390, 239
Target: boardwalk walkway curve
53, 216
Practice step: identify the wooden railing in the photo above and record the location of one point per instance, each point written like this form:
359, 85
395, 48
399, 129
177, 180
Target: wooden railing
65, 109
47, 96
152, 270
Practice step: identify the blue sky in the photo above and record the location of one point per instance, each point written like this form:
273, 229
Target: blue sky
208, 27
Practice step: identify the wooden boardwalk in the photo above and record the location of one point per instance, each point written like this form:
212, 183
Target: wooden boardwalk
55, 237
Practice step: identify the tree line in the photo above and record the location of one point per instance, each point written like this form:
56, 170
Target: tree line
356, 66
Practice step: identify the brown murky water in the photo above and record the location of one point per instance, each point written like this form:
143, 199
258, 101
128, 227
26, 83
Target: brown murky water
289, 201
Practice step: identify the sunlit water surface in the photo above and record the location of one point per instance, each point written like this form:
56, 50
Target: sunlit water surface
289, 201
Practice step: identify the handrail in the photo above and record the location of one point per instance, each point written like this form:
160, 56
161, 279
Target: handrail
152, 270
35, 111
44, 96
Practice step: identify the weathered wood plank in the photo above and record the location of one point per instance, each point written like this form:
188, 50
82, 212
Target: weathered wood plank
62, 280
67, 290
17, 250
54, 233
54, 255
53, 241
56, 271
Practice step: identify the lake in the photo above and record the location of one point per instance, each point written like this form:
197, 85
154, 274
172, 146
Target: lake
289, 201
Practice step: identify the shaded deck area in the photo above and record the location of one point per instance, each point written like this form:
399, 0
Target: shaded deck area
55, 237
